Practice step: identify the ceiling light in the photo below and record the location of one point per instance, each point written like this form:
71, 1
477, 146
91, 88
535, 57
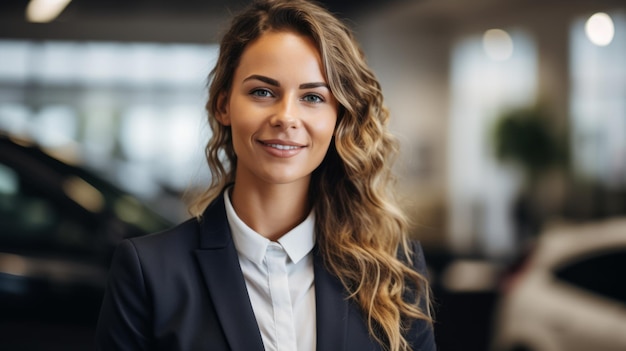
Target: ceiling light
42, 11
498, 44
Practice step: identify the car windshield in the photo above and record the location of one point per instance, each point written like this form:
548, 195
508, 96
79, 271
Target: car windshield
48, 207
600, 274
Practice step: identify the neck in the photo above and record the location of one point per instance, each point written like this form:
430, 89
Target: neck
271, 210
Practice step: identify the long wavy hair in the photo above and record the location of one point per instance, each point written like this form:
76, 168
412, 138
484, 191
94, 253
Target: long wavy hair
360, 230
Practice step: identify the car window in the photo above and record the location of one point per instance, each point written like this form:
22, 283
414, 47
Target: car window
34, 219
601, 274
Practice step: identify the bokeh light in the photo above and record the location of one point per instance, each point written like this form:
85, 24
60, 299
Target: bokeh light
600, 29
498, 44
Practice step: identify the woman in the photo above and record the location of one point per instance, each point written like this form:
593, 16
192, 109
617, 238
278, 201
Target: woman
297, 243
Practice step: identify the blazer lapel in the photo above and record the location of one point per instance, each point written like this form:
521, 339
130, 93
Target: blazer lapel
219, 264
332, 308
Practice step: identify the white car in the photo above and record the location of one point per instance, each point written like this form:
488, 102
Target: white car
570, 293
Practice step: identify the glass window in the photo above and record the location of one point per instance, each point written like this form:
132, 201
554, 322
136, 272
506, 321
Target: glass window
598, 104
133, 112
600, 274
485, 80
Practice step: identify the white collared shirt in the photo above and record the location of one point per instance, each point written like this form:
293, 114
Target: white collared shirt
279, 278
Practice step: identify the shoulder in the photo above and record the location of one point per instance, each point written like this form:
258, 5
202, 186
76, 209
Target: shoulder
185, 234
159, 249
175, 245
145, 262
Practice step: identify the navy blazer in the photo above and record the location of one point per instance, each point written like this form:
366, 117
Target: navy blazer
183, 289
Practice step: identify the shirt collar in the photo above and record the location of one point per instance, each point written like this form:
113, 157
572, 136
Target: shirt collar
297, 243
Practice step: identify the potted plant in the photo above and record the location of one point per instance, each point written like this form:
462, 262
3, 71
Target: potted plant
526, 138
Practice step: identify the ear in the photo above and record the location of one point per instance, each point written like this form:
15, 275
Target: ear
222, 114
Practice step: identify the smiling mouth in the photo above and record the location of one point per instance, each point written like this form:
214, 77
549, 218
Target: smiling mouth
282, 146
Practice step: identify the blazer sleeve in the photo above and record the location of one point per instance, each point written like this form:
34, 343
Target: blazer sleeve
421, 334
124, 321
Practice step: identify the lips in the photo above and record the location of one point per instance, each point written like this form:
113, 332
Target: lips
281, 148
282, 145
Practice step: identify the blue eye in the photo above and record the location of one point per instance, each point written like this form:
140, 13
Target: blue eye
313, 98
261, 93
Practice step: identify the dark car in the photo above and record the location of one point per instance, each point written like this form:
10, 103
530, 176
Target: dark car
59, 225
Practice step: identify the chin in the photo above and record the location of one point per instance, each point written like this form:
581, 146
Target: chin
280, 179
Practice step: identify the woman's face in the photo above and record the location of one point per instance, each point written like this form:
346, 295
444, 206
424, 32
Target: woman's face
280, 109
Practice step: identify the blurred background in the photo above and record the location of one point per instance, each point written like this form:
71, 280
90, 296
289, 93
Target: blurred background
511, 117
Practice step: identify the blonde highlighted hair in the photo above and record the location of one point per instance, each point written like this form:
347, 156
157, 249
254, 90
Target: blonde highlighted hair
360, 230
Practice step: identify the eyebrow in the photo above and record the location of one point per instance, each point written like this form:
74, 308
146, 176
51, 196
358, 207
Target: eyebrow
275, 83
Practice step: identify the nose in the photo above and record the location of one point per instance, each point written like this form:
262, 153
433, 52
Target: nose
286, 114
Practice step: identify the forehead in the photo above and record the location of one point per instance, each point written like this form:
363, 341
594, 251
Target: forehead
282, 53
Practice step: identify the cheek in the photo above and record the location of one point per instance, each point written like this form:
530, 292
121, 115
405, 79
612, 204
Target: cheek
240, 135
325, 129
324, 123
241, 128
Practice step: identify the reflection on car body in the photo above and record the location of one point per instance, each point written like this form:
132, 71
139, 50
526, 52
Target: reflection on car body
570, 294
